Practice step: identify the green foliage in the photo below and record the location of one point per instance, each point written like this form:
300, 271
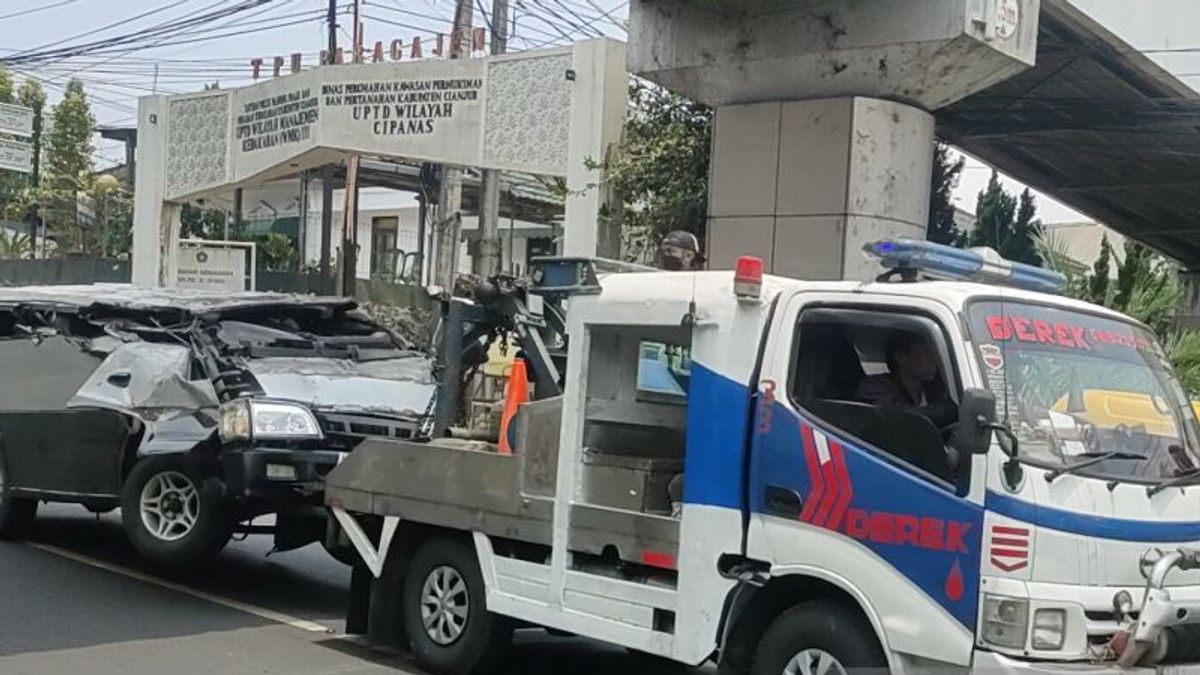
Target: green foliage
6, 85
1007, 223
114, 222
14, 245
1097, 286
659, 171
1147, 289
68, 169
278, 252
200, 223
942, 228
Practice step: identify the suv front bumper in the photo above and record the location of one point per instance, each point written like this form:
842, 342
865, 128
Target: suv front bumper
277, 475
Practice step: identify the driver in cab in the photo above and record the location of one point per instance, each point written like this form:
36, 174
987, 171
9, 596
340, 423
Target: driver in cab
913, 383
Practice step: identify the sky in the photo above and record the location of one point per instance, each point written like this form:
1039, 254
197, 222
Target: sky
281, 27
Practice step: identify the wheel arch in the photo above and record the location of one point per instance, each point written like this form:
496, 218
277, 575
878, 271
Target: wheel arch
785, 588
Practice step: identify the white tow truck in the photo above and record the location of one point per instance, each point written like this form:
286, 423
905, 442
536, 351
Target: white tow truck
1044, 527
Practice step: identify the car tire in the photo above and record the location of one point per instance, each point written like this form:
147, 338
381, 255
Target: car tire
173, 513
16, 513
819, 636
450, 631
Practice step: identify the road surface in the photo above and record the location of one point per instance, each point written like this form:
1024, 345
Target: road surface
76, 599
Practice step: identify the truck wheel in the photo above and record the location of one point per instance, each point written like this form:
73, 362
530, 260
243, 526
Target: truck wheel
16, 513
445, 615
171, 514
819, 637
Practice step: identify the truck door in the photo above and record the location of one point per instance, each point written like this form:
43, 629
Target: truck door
852, 479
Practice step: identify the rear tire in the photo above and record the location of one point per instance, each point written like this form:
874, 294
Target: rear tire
16, 513
172, 514
819, 637
450, 630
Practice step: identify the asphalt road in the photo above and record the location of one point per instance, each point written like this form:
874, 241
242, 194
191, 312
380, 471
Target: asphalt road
77, 599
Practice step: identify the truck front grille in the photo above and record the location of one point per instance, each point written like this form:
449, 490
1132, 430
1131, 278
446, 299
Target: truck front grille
366, 425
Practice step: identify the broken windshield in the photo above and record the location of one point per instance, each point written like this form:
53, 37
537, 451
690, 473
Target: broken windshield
1076, 387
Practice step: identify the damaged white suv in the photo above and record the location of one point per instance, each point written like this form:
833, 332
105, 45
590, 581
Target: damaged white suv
192, 412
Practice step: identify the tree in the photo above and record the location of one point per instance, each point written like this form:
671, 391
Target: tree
1097, 286
946, 173
659, 171
6, 85
68, 169
1007, 224
12, 184
201, 223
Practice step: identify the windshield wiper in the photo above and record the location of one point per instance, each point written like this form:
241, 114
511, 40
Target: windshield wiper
1091, 461
1188, 476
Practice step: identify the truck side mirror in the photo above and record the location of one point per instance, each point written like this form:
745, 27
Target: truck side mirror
976, 417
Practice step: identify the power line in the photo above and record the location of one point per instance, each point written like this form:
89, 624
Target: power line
32, 10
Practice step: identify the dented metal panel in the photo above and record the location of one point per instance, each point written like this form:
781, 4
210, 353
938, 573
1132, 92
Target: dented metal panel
400, 386
145, 375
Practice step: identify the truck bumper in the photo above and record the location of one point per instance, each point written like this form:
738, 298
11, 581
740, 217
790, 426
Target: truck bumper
991, 662
277, 476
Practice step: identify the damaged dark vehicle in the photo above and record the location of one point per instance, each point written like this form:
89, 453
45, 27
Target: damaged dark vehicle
194, 413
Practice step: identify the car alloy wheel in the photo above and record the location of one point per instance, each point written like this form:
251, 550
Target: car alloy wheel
170, 505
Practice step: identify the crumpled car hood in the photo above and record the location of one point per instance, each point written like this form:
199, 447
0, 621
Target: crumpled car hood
395, 387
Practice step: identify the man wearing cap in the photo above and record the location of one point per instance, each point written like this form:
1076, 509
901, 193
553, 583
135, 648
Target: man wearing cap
680, 251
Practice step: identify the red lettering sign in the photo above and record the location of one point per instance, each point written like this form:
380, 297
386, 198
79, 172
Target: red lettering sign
903, 529
1024, 329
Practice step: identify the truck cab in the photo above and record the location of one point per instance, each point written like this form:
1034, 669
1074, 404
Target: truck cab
979, 524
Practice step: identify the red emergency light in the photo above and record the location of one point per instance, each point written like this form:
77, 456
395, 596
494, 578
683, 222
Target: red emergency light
747, 277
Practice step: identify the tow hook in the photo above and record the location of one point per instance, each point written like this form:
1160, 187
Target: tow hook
1159, 629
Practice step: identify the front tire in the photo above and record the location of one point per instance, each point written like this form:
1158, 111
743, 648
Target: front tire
172, 515
445, 615
16, 513
819, 637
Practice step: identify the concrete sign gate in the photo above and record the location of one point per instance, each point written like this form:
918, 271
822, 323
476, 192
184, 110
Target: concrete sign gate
541, 112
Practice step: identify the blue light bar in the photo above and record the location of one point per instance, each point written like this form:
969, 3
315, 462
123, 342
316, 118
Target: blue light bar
978, 264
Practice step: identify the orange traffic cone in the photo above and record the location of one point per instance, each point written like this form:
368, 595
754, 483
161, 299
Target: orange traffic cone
515, 393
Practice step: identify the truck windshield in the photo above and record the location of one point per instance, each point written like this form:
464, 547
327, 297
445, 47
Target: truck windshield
1076, 387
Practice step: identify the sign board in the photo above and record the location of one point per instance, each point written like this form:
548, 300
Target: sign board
16, 156
1008, 18
510, 113
16, 120
215, 265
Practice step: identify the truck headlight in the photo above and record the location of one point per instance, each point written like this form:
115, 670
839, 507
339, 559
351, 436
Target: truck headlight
1049, 629
1005, 621
245, 420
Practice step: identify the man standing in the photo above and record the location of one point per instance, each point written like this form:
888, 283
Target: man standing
680, 251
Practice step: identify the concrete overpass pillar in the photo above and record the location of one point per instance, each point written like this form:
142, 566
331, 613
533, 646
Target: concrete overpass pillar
824, 137
804, 184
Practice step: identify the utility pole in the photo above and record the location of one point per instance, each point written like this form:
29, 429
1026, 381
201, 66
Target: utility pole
327, 170
349, 262
489, 203
449, 220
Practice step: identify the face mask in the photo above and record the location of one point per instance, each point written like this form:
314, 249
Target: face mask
672, 263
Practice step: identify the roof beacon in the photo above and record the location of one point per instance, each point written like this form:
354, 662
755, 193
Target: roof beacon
910, 257
747, 278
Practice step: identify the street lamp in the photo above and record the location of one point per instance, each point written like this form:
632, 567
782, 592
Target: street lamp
105, 184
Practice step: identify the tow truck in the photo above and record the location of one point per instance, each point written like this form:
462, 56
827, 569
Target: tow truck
817, 533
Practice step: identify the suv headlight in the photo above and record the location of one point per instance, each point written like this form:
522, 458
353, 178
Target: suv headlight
1005, 621
246, 419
